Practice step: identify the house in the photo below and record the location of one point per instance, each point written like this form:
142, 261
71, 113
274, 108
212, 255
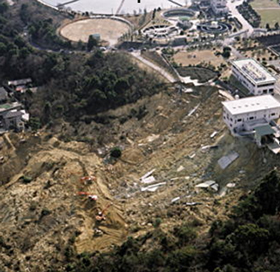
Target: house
219, 7
253, 76
12, 117
245, 115
3, 95
19, 82
20, 85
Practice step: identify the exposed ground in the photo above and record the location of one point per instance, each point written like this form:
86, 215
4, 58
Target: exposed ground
109, 30
42, 219
197, 57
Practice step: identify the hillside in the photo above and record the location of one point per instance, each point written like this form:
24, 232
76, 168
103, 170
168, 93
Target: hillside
42, 214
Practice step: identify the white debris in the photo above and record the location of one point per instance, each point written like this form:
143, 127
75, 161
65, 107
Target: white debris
175, 199
205, 184
152, 137
147, 174
193, 110
148, 180
205, 147
193, 203
189, 90
209, 184
231, 185
213, 134
152, 188
225, 161
181, 168
192, 156
215, 187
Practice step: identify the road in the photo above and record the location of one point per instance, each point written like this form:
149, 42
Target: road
235, 13
169, 77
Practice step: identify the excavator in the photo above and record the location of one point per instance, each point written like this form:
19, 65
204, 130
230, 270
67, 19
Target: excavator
89, 195
87, 179
102, 214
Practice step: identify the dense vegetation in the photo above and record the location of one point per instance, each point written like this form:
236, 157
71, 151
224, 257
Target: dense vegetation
249, 241
71, 85
250, 14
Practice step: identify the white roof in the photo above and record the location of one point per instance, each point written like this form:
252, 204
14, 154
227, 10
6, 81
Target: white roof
251, 104
254, 71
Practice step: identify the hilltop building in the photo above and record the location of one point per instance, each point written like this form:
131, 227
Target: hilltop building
253, 76
253, 116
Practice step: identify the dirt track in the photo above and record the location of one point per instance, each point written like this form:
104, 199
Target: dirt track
110, 30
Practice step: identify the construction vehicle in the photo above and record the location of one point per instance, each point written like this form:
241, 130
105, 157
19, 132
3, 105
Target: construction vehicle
89, 195
102, 214
87, 179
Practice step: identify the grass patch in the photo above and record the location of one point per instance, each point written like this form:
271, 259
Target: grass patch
201, 74
269, 10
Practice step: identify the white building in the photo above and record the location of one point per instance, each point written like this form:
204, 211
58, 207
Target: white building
245, 115
253, 76
219, 6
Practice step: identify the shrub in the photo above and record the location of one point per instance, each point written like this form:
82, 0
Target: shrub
116, 152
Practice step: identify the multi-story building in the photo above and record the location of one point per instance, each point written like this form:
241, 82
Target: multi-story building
219, 6
253, 76
245, 115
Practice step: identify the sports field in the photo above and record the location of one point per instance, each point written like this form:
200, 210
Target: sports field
269, 10
110, 30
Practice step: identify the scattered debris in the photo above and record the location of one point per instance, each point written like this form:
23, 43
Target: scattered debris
152, 137
192, 156
231, 185
193, 110
193, 203
213, 134
181, 168
152, 188
210, 183
147, 175
148, 180
225, 161
175, 199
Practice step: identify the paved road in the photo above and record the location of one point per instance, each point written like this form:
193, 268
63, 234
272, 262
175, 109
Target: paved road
245, 25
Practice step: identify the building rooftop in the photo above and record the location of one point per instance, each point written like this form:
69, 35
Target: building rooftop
251, 104
9, 106
254, 71
20, 82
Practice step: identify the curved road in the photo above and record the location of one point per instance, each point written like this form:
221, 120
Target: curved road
232, 5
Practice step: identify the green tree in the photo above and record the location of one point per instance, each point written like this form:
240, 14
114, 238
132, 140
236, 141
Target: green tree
3, 49
4, 7
92, 42
116, 152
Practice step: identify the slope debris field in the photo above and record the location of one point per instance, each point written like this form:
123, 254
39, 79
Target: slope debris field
42, 213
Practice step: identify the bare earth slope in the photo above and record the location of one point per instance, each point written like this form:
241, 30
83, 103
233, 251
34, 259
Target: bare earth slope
43, 220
